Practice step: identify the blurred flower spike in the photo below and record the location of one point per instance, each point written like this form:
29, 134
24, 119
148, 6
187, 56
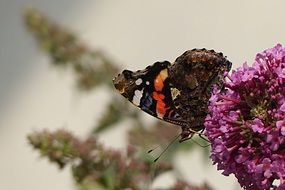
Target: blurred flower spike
246, 122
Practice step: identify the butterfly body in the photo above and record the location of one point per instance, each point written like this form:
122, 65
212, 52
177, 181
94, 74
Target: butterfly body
179, 92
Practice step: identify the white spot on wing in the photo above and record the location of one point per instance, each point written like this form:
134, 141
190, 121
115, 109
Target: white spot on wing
139, 81
147, 82
137, 97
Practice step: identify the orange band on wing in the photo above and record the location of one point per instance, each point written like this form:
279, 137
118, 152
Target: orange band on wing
159, 80
159, 97
160, 105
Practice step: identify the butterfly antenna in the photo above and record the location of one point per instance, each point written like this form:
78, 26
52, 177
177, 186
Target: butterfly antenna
204, 146
152, 150
173, 140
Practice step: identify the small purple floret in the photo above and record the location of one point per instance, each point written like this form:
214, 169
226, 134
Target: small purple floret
246, 122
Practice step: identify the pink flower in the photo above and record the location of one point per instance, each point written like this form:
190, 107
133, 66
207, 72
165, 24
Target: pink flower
246, 123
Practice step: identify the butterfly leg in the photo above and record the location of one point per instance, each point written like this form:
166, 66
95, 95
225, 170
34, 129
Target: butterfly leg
186, 138
201, 135
188, 133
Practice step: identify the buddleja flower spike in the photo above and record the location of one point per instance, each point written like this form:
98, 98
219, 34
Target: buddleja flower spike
246, 122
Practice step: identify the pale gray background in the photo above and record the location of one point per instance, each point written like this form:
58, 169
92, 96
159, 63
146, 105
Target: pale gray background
35, 95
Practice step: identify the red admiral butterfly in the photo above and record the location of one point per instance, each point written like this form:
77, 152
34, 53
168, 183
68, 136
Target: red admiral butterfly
177, 93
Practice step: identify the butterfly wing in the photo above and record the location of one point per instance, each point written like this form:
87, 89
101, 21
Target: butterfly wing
150, 90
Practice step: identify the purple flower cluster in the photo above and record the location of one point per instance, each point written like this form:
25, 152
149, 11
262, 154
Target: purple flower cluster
246, 123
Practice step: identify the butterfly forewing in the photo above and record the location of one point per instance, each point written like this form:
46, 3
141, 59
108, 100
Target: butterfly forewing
150, 90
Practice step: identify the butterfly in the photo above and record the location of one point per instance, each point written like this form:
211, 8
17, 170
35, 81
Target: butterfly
176, 92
